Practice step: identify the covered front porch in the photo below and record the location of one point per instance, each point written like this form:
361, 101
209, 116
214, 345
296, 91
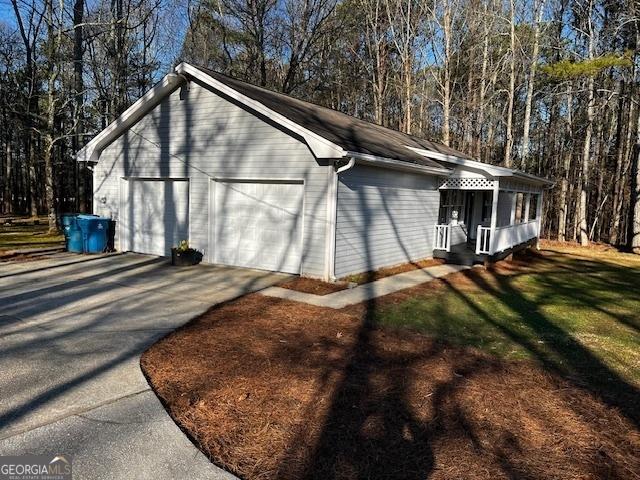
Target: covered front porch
483, 219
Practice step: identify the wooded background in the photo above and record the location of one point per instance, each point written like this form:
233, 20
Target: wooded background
547, 86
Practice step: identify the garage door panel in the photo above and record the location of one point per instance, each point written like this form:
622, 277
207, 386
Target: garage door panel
258, 225
159, 216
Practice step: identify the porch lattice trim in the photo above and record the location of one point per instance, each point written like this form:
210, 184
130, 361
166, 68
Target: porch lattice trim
467, 183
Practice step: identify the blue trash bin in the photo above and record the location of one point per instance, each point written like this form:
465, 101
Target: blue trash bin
68, 220
94, 232
75, 239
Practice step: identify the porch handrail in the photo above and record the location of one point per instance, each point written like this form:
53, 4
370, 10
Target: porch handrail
442, 237
511, 235
483, 240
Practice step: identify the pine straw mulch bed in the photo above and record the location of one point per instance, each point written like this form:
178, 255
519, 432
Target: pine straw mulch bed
318, 287
273, 389
367, 277
311, 285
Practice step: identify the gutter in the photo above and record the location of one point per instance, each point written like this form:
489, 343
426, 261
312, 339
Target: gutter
373, 160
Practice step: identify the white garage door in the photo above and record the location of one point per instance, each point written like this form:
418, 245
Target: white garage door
258, 225
157, 214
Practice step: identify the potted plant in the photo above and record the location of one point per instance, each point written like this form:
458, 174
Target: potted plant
183, 255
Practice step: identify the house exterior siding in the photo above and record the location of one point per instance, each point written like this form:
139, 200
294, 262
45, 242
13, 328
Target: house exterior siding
196, 134
384, 217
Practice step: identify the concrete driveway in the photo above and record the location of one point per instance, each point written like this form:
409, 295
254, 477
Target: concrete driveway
72, 329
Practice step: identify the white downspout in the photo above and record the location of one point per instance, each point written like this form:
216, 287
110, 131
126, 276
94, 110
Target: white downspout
344, 168
332, 212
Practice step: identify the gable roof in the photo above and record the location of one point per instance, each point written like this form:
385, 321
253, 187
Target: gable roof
328, 133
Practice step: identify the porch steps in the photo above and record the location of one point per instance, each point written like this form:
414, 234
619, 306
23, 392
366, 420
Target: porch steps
465, 257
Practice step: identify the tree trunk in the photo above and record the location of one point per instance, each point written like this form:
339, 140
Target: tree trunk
49, 193
623, 146
563, 201
446, 84
512, 87
33, 181
408, 84
78, 84
634, 224
634, 217
7, 175
477, 152
52, 51
531, 83
586, 151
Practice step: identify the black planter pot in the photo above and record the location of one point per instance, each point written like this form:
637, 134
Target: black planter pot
185, 258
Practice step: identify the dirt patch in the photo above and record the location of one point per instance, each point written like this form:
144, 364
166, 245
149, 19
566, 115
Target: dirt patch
316, 287
273, 389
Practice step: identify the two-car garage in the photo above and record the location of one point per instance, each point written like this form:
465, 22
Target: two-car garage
252, 223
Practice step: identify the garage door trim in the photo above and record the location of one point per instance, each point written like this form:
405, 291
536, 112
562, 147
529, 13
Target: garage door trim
123, 220
213, 181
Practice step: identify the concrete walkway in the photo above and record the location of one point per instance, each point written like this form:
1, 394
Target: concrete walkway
367, 291
72, 329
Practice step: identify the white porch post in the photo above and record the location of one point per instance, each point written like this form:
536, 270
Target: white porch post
539, 218
494, 217
527, 204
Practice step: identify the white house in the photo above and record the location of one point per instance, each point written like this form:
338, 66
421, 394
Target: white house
258, 179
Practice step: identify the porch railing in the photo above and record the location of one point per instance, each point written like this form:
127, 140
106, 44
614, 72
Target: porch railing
511, 235
442, 238
483, 240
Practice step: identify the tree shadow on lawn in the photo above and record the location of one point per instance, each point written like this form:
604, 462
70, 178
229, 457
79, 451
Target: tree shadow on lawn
372, 429
557, 350
601, 283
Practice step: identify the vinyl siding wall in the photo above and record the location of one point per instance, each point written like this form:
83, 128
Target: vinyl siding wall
384, 217
203, 136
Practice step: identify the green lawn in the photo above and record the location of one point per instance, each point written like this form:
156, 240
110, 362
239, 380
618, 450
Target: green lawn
574, 310
15, 237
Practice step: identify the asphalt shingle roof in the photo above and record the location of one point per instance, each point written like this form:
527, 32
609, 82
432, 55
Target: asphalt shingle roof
350, 133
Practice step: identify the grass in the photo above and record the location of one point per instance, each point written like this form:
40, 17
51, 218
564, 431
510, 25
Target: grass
564, 303
530, 370
14, 237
